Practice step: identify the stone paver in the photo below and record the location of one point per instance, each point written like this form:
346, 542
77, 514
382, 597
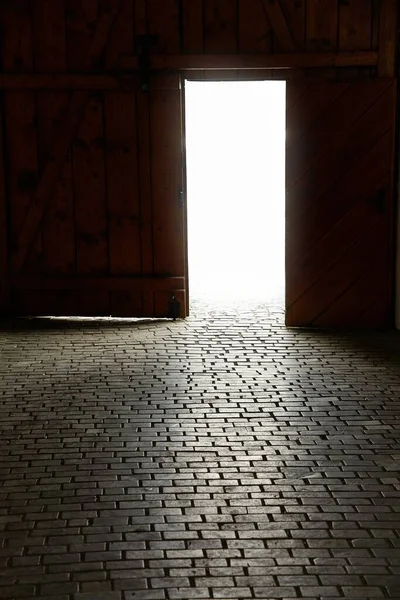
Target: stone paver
220, 457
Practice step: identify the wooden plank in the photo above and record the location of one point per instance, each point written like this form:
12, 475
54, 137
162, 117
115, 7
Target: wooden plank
140, 17
65, 135
4, 282
330, 248
122, 184
134, 284
332, 130
348, 309
49, 178
68, 82
295, 60
375, 24
295, 90
94, 303
144, 173
302, 115
145, 187
163, 21
221, 75
20, 120
180, 62
380, 314
49, 36
391, 210
336, 280
322, 25
16, 36
220, 26
81, 22
192, 18
121, 42
126, 304
295, 16
90, 28
339, 158
33, 304
58, 223
334, 119
166, 169
255, 31
22, 168
365, 179
167, 178
355, 25
355, 32
46, 303
89, 192
388, 22
282, 34
20, 115
337, 229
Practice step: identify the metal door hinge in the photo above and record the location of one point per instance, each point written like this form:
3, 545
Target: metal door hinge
181, 196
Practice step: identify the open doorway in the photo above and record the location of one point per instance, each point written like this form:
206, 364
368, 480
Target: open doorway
235, 144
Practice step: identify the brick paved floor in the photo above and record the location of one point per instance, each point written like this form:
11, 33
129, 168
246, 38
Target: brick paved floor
221, 457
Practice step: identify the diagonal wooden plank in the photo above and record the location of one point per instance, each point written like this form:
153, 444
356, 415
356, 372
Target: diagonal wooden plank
362, 179
341, 155
367, 177
337, 278
335, 119
295, 13
359, 296
64, 138
303, 115
335, 227
334, 244
279, 24
379, 314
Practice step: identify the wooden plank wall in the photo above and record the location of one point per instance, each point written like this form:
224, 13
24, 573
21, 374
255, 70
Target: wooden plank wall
339, 224
102, 215
195, 27
105, 215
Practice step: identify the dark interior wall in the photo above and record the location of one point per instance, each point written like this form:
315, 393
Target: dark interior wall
76, 129
43, 35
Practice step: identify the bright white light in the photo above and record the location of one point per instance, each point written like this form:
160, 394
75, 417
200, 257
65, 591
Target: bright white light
235, 142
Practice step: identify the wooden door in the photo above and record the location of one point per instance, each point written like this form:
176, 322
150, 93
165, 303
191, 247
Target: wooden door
339, 212
94, 171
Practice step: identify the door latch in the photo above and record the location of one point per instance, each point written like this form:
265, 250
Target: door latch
174, 308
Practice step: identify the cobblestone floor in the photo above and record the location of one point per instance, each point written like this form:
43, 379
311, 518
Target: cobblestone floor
220, 457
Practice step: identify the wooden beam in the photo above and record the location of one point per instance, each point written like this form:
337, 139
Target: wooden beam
129, 78
43, 194
4, 283
11, 81
388, 20
142, 284
294, 60
279, 25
